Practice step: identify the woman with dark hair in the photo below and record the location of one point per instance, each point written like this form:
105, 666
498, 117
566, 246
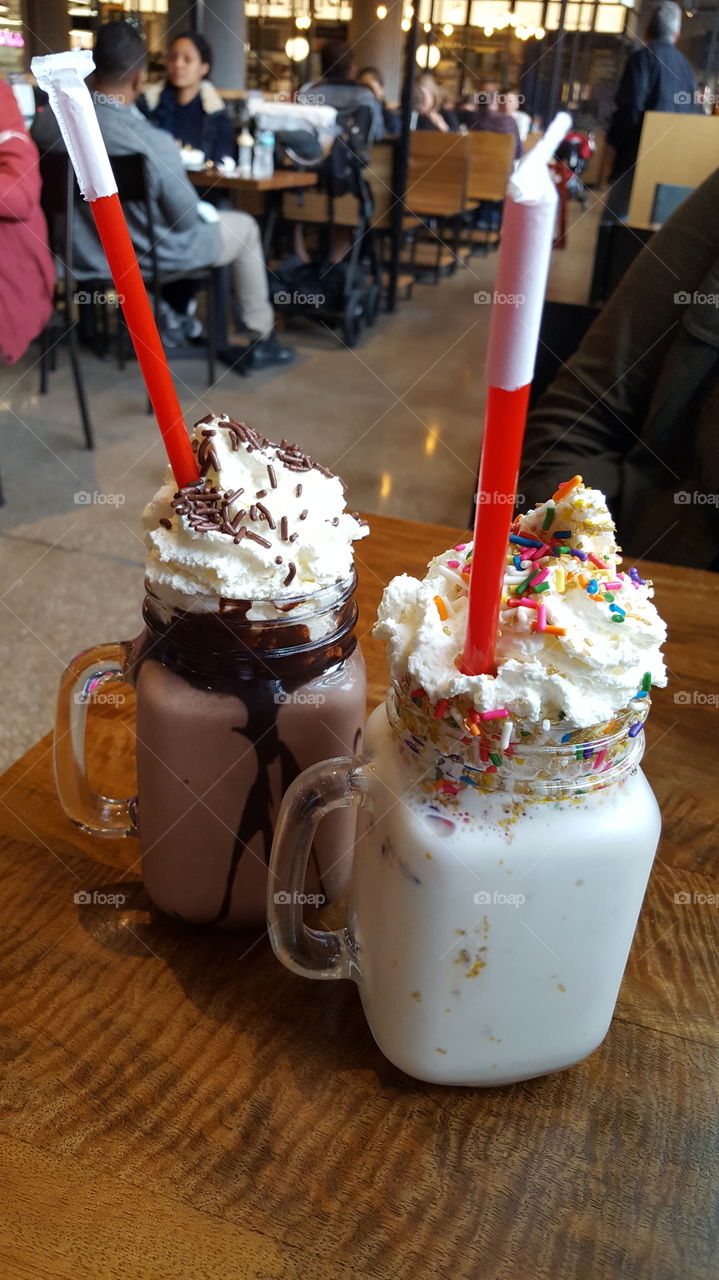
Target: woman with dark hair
187, 105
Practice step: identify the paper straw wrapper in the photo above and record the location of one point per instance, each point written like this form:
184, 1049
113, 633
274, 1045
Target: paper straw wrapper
530, 212
62, 76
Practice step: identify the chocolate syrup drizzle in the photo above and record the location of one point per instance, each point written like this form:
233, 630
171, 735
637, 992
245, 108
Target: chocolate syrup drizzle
262, 664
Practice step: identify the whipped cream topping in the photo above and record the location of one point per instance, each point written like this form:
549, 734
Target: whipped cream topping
577, 638
265, 523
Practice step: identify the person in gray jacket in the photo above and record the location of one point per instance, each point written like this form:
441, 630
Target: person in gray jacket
183, 239
635, 409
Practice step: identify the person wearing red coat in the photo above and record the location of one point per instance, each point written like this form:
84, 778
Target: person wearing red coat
27, 274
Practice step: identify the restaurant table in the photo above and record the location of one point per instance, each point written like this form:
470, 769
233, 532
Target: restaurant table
282, 180
175, 1104
211, 179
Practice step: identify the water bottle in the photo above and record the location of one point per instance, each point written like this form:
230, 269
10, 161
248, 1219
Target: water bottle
246, 145
263, 160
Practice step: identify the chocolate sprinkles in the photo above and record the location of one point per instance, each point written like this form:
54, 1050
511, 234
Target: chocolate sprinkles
206, 507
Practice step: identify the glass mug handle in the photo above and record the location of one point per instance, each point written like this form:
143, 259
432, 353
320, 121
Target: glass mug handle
88, 672
312, 953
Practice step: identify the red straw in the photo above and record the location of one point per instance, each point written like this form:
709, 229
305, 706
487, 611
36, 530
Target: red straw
130, 286
496, 498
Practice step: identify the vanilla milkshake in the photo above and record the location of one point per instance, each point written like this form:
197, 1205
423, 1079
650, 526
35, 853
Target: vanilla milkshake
506, 830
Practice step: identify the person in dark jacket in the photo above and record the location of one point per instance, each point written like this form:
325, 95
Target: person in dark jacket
27, 275
187, 105
635, 409
657, 77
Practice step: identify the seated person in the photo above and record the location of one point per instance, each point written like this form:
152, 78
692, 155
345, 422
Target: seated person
187, 105
183, 240
489, 119
429, 116
374, 80
634, 410
27, 275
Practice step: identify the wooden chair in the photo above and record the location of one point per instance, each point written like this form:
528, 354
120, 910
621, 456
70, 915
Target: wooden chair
489, 165
311, 205
436, 193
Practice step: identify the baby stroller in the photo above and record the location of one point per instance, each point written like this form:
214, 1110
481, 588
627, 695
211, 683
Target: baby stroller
575, 151
345, 293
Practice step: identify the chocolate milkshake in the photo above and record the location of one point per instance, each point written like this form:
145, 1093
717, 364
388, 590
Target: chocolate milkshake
247, 671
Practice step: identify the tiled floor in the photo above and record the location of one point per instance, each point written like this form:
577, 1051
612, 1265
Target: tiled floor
399, 418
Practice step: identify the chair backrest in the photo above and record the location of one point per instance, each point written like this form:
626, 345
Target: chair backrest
311, 205
563, 326
667, 197
132, 187
57, 198
617, 246
437, 173
489, 165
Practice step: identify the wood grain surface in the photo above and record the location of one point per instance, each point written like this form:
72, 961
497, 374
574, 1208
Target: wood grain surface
281, 180
174, 1105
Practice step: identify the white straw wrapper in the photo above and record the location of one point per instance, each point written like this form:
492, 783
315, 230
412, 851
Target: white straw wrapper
528, 222
62, 76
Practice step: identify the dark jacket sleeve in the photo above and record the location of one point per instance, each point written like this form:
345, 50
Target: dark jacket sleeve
596, 411
633, 94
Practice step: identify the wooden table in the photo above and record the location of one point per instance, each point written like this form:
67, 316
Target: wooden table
271, 188
177, 1105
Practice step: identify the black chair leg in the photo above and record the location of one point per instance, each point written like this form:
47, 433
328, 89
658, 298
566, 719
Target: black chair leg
43, 362
80, 387
211, 334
